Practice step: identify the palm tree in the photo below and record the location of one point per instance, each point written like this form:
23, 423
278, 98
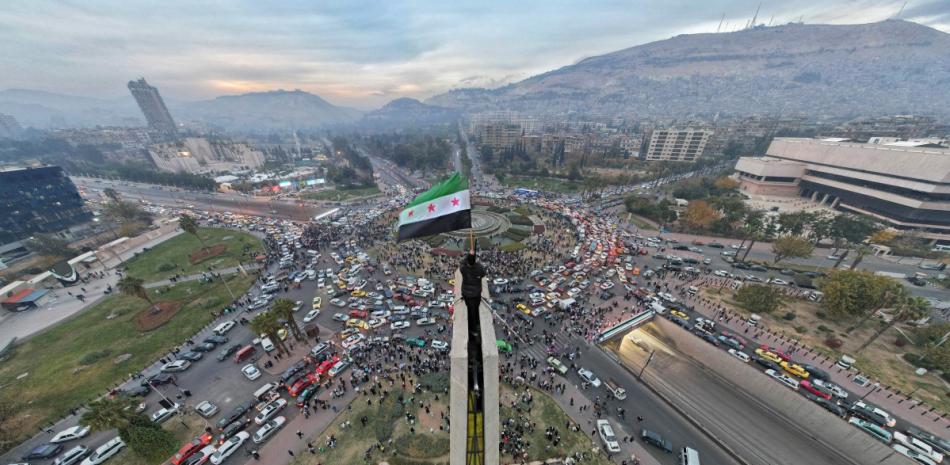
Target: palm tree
134, 287
106, 414
911, 308
190, 226
862, 251
284, 308
266, 323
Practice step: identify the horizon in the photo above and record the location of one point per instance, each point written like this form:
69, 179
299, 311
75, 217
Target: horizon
380, 54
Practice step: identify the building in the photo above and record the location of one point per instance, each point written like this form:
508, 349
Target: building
479, 121
9, 127
153, 107
500, 136
685, 145
38, 200
904, 185
200, 155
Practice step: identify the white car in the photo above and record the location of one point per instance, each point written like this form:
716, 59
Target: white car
836, 390
589, 376
267, 344
269, 411
298, 305
340, 317
607, 436
104, 452
376, 322
721, 273
223, 328
739, 355
229, 447
353, 340
667, 297
425, 321
439, 345
311, 315
176, 366
251, 371
206, 409
338, 368
787, 380
397, 325
70, 434
163, 414
381, 314
268, 429
72, 456
500, 281
338, 302
915, 455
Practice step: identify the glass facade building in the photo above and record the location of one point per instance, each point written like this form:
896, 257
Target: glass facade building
38, 200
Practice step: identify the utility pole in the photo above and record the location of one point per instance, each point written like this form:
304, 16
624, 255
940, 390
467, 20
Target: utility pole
645, 365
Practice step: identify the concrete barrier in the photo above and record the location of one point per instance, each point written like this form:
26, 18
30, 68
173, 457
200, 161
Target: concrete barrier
797, 410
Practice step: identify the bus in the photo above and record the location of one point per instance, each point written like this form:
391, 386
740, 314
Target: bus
245, 353
526, 192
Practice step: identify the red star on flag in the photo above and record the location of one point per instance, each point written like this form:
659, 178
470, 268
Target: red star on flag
410, 213
431, 207
455, 202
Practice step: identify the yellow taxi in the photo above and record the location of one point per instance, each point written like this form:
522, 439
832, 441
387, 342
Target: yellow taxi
768, 355
680, 314
341, 285
523, 309
358, 293
794, 369
452, 282
317, 302
356, 323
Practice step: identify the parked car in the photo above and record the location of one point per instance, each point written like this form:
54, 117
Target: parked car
206, 409
251, 372
229, 447
72, 456
589, 376
104, 452
268, 429
43, 451
269, 411
69, 434
176, 366
654, 439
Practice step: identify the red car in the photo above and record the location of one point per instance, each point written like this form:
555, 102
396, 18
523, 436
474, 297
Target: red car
738, 338
190, 448
781, 355
361, 314
326, 365
299, 386
806, 385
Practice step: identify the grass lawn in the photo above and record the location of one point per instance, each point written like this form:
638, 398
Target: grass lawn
342, 194
171, 257
544, 184
73, 363
881, 360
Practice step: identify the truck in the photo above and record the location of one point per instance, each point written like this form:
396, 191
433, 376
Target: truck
615, 389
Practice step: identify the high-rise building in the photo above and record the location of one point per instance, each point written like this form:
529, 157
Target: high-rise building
685, 145
500, 136
153, 107
38, 200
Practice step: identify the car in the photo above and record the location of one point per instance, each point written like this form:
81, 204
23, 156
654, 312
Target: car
228, 351
268, 429
815, 372
679, 314
654, 439
557, 365
326, 365
105, 452
740, 355
348, 332
162, 414
269, 411
234, 416
191, 356
876, 431
376, 322
311, 315
768, 355
338, 368
317, 303
251, 372
913, 454
353, 340
72, 456
70, 434
439, 345
190, 448
336, 302
794, 369
340, 317
607, 436
589, 376
229, 447
206, 409
357, 323
425, 321
815, 390
416, 341
176, 367
873, 413
43, 451
216, 340
319, 349
787, 380
835, 390
397, 325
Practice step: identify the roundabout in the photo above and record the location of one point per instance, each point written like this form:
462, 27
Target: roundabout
484, 223
494, 226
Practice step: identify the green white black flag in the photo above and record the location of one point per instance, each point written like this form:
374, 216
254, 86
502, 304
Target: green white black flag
446, 207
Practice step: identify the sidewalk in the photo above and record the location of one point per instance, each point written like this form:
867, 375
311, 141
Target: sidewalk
197, 276
922, 416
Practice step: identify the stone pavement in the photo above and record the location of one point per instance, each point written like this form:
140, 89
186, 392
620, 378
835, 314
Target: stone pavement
197, 276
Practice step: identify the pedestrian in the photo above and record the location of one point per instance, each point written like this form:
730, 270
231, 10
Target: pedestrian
299, 434
290, 452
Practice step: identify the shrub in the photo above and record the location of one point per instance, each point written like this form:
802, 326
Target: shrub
912, 358
166, 267
833, 343
437, 382
789, 316
520, 220
821, 315
801, 329
93, 357
901, 341
824, 329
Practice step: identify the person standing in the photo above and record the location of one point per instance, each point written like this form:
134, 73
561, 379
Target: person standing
472, 275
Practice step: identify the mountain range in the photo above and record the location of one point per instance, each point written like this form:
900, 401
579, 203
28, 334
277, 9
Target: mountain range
406, 113
890, 67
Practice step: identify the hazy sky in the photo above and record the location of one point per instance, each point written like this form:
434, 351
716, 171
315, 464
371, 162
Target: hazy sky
355, 52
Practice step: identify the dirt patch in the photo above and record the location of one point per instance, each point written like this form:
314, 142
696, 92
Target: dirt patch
205, 253
157, 315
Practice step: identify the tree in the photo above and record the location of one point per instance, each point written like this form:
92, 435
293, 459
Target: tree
821, 227
106, 414
726, 183
146, 438
909, 308
266, 323
149, 441
111, 194
284, 308
190, 226
862, 251
883, 236
575, 173
794, 223
754, 229
759, 298
850, 294
127, 212
134, 287
50, 246
791, 247
852, 229
699, 215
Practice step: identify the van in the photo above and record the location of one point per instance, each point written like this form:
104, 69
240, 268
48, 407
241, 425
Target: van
689, 456
245, 353
223, 328
267, 344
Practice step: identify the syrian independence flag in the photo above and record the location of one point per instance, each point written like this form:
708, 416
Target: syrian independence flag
445, 207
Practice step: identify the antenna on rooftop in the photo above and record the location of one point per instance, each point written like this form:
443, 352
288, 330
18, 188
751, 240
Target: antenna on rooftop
720, 21
770, 20
899, 13
756, 15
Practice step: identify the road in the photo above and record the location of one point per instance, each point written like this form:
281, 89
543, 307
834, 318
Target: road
214, 202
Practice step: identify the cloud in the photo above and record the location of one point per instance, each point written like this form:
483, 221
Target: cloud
359, 52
